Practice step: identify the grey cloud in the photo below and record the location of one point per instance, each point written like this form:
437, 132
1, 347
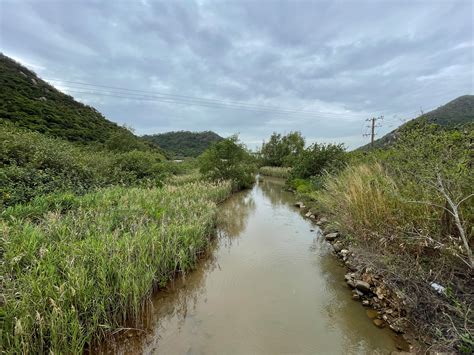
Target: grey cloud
345, 60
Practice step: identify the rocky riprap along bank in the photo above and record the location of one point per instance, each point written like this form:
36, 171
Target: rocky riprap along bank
385, 305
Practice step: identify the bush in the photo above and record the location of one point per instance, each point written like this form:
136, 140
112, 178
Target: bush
228, 160
318, 159
32, 164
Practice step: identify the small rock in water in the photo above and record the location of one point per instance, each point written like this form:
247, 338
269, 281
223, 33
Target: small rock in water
379, 323
308, 214
372, 313
331, 236
351, 283
362, 285
366, 303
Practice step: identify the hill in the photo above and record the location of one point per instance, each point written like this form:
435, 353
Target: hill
30, 102
184, 143
454, 114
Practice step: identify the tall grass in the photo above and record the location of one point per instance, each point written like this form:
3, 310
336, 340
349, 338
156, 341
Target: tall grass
275, 171
75, 267
399, 224
371, 205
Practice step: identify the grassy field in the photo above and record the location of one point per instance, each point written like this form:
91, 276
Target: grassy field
275, 171
76, 267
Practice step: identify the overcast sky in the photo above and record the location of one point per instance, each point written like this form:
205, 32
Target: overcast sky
336, 62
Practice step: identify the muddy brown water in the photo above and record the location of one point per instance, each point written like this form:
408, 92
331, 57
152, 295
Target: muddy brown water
268, 286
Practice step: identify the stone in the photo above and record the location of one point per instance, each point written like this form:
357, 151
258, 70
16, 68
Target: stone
308, 214
350, 265
351, 283
312, 216
372, 313
331, 236
362, 286
381, 293
322, 221
366, 303
299, 204
399, 325
337, 247
379, 323
366, 277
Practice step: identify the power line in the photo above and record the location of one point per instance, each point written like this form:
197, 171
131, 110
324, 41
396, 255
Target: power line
190, 100
144, 98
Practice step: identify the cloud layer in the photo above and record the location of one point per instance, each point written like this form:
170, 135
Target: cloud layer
343, 61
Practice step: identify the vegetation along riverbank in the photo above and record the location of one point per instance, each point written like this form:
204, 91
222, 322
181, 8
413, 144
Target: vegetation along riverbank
401, 218
93, 218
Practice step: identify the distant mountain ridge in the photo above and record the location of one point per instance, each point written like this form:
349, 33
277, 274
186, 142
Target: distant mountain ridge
30, 102
183, 144
454, 114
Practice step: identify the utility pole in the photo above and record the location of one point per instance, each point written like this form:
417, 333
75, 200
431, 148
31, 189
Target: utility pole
372, 127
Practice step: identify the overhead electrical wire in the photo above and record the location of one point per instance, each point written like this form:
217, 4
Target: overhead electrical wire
188, 100
157, 96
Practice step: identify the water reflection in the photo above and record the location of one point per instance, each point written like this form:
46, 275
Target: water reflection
268, 286
273, 189
232, 218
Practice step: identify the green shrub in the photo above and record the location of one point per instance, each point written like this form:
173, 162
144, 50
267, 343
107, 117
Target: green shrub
228, 160
32, 164
318, 159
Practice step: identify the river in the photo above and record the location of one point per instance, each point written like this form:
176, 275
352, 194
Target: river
268, 286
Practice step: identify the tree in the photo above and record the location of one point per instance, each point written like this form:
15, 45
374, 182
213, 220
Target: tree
282, 150
317, 159
228, 160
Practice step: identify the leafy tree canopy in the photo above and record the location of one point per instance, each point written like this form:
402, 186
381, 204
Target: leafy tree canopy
228, 160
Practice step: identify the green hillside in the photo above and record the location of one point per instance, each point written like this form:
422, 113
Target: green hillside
30, 102
184, 143
454, 114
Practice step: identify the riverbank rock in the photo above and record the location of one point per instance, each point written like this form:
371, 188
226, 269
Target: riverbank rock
338, 246
331, 236
363, 286
308, 214
399, 325
322, 221
379, 323
300, 204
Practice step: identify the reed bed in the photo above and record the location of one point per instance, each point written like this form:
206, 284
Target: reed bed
75, 268
275, 171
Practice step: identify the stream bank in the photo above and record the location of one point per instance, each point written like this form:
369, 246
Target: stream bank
385, 305
268, 285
